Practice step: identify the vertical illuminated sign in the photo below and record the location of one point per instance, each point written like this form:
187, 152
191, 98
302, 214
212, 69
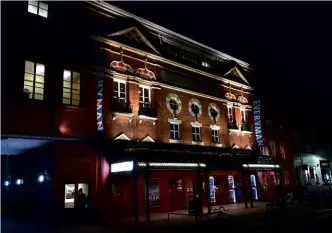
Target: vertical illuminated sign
212, 190
100, 87
257, 123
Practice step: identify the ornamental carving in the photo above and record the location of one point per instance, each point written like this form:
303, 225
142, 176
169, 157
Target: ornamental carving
145, 72
120, 66
242, 99
230, 96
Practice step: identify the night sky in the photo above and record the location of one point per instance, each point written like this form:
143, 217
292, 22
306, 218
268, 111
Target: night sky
288, 43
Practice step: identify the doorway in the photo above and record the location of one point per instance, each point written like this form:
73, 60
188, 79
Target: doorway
71, 192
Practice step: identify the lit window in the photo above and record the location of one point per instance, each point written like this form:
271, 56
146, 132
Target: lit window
119, 91
144, 95
215, 136
34, 80
71, 88
38, 8
273, 148
175, 131
204, 63
286, 177
196, 133
282, 151
230, 114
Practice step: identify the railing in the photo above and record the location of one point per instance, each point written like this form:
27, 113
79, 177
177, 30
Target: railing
120, 105
145, 108
232, 125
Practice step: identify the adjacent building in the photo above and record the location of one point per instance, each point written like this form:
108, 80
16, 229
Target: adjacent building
142, 119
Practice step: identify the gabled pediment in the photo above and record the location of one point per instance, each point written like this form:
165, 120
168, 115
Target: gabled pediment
235, 146
248, 147
122, 137
148, 139
134, 34
235, 72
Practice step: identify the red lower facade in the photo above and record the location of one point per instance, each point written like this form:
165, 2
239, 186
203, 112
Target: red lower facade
118, 195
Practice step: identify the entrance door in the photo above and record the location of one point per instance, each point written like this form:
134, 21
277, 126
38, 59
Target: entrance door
177, 194
76, 195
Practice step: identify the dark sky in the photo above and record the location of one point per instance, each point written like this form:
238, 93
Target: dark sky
289, 43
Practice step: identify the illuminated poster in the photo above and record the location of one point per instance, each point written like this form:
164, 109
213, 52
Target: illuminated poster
100, 87
212, 190
154, 193
257, 122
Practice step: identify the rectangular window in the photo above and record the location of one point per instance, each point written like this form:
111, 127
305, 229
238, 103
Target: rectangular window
175, 131
230, 114
243, 116
273, 148
38, 8
119, 91
215, 136
144, 95
286, 177
196, 133
34, 80
282, 151
71, 88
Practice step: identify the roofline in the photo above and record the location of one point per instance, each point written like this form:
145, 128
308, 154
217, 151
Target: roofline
171, 62
117, 11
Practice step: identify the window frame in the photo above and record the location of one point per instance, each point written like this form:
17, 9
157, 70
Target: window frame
230, 113
243, 117
196, 134
118, 82
71, 88
39, 8
213, 135
34, 81
173, 131
143, 96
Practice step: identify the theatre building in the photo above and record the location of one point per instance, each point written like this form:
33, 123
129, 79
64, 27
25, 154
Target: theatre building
142, 119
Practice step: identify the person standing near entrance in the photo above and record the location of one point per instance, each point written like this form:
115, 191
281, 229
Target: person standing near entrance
81, 199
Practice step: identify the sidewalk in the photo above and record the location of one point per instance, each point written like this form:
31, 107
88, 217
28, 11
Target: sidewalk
184, 218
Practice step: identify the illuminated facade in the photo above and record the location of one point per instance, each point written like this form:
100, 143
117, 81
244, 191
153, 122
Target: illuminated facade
126, 107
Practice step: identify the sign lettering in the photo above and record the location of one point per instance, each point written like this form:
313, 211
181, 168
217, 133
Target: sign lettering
257, 123
100, 88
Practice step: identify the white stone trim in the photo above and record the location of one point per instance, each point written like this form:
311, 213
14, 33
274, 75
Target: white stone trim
147, 117
120, 79
174, 121
235, 146
197, 143
148, 139
196, 124
175, 141
216, 144
248, 148
122, 137
215, 127
175, 96
145, 86
154, 57
224, 101
213, 105
195, 101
